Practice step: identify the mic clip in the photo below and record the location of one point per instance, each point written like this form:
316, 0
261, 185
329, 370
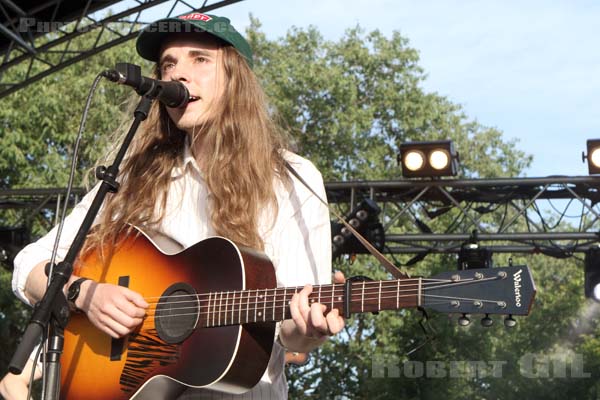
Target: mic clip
114, 76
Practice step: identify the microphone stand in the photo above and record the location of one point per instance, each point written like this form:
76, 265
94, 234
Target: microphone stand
52, 311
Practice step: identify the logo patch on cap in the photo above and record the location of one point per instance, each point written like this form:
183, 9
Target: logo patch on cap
197, 17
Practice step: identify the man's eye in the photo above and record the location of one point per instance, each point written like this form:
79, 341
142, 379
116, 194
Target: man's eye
167, 66
201, 59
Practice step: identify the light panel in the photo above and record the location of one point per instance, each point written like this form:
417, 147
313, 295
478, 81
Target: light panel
593, 156
439, 159
428, 159
365, 219
414, 160
592, 274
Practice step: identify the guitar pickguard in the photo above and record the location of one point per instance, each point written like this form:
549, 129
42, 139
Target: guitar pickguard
147, 351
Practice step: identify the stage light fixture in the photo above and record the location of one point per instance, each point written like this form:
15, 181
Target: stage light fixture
471, 256
414, 160
439, 159
363, 218
593, 156
12, 240
592, 274
428, 159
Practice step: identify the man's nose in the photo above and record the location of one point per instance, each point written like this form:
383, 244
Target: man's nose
180, 73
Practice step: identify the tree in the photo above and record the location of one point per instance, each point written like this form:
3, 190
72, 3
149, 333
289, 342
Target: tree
40, 122
37, 133
348, 105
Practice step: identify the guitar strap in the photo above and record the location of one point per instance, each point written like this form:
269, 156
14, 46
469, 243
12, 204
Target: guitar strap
389, 266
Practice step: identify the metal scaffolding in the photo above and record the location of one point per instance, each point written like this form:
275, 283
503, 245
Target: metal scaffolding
512, 215
38, 38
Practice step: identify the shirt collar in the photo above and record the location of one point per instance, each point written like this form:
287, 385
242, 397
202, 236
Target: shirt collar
187, 160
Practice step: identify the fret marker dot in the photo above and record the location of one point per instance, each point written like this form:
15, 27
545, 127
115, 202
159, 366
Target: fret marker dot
259, 313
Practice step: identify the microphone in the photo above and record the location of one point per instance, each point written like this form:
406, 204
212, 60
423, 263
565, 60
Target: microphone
170, 93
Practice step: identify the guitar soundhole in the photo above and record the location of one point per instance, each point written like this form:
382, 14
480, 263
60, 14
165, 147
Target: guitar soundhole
177, 313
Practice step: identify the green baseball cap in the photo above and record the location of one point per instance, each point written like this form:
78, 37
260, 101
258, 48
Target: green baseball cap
150, 39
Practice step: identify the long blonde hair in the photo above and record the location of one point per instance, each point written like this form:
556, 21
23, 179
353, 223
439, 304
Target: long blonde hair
244, 150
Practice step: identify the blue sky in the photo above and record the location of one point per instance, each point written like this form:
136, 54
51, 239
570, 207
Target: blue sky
530, 69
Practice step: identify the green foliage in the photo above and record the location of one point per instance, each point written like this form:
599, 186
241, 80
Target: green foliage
40, 122
38, 127
13, 315
348, 105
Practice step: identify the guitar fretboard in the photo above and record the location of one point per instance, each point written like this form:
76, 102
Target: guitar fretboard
466, 295
268, 305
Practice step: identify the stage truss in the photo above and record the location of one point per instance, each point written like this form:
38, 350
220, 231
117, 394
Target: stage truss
555, 216
37, 38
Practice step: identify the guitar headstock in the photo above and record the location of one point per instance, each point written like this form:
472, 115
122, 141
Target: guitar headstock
501, 290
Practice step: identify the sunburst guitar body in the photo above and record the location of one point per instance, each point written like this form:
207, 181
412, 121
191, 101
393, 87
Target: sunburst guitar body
171, 350
213, 310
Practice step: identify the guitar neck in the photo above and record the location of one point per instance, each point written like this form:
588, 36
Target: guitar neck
270, 305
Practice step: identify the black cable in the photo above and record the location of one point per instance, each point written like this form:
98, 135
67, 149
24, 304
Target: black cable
503, 220
64, 211
32, 375
393, 256
563, 215
459, 219
73, 169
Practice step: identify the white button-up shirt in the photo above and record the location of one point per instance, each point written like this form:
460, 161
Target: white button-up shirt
298, 243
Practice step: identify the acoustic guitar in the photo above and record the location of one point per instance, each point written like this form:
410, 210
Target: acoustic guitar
213, 310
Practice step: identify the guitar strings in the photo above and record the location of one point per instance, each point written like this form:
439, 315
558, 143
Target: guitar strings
271, 308
327, 289
425, 281
216, 320
324, 297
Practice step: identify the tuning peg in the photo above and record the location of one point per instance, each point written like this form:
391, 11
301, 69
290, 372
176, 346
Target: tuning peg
487, 321
509, 321
464, 320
